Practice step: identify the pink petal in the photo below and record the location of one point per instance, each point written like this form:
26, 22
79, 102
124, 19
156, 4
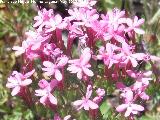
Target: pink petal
15, 90
10, 85
137, 107
58, 19
128, 112
43, 99
29, 74
87, 72
58, 75
86, 56
119, 38
79, 74
92, 105
48, 64
78, 102
26, 82
63, 61
134, 62
139, 31
86, 105
52, 99
122, 107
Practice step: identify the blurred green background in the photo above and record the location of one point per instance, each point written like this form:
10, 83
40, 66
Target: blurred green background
17, 18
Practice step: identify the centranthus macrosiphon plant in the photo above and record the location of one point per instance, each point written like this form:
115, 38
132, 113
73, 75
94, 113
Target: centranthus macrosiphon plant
64, 76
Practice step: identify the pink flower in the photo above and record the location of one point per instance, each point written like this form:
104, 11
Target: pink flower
54, 23
17, 81
129, 107
128, 55
114, 18
43, 18
45, 92
83, 16
53, 68
141, 77
80, 66
86, 103
108, 55
134, 25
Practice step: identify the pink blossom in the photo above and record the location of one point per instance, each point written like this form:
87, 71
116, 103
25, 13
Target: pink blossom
45, 92
108, 55
114, 18
129, 107
134, 25
17, 81
80, 66
86, 103
54, 68
83, 16
43, 18
128, 55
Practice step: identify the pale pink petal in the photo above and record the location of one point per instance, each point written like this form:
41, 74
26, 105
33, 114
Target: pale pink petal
86, 56
137, 107
48, 64
119, 38
92, 105
58, 75
140, 21
26, 82
79, 74
10, 85
87, 72
128, 112
86, 105
122, 107
63, 61
52, 99
29, 74
139, 31
134, 62
43, 99
15, 90
58, 19
78, 102
67, 117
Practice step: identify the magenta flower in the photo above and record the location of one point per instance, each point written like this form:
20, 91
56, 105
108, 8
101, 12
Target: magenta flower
135, 25
108, 55
86, 103
114, 18
43, 18
54, 68
45, 92
128, 55
17, 81
80, 66
129, 107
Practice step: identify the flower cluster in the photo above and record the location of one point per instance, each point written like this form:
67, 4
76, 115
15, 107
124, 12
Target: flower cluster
117, 35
